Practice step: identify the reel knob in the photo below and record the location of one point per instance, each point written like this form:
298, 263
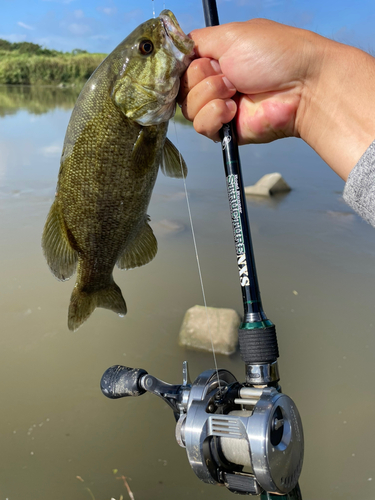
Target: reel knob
122, 381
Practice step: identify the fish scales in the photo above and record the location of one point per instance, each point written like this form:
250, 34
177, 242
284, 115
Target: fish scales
114, 145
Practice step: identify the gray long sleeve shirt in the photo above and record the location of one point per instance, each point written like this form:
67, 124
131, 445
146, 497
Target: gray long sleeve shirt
359, 190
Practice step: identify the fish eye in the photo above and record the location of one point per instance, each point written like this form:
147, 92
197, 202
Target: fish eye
146, 47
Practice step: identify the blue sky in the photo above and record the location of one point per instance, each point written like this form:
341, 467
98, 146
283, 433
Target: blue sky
99, 25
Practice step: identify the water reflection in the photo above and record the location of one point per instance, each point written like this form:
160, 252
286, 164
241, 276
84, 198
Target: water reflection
36, 100
55, 425
272, 201
39, 100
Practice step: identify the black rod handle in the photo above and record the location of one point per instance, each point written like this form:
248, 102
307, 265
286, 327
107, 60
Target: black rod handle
253, 310
211, 16
257, 334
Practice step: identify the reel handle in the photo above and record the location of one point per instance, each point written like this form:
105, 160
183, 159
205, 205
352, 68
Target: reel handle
122, 381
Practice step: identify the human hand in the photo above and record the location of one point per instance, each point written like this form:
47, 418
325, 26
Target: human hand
279, 81
255, 69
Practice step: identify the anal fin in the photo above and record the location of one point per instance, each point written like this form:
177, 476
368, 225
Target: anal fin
141, 251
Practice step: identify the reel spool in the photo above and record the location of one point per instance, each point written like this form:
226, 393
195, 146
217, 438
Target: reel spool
248, 438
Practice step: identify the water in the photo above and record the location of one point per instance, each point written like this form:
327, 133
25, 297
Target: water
315, 262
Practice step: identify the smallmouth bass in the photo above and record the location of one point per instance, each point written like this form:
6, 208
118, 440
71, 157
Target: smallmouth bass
114, 145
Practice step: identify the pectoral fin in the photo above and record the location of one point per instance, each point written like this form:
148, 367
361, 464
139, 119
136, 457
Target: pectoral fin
141, 251
140, 149
172, 163
61, 257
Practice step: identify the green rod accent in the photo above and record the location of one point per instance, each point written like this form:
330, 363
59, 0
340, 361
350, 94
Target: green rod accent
256, 324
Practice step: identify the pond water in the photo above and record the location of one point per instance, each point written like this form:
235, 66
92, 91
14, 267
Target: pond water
60, 437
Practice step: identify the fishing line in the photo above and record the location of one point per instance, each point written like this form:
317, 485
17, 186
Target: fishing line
197, 256
153, 9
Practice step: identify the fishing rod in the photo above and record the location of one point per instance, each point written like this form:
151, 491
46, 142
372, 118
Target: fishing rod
247, 436
257, 334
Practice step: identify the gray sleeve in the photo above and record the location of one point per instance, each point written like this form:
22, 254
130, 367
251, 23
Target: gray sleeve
359, 190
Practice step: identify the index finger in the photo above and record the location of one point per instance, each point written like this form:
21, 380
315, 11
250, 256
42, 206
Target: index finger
198, 70
211, 42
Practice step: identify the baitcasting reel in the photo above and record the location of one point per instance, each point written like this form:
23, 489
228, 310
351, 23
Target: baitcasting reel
248, 438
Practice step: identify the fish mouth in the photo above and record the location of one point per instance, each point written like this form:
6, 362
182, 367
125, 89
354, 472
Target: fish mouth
182, 45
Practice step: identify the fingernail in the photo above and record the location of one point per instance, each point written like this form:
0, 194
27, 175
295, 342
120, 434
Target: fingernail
228, 83
231, 105
215, 64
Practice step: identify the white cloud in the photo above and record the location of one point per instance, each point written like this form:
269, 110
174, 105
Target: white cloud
53, 150
14, 37
78, 29
273, 3
79, 14
109, 10
133, 14
23, 25
59, 1
259, 4
43, 41
100, 37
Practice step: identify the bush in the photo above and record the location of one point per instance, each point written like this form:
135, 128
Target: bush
27, 63
78, 51
48, 70
5, 45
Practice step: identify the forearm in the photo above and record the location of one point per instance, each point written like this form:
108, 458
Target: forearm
336, 116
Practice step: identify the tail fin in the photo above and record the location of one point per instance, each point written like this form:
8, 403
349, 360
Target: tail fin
83, 303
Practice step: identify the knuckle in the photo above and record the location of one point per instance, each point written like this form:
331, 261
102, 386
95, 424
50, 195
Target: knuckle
195, 65
185, 111
201, 125
207, 122
217, 107
216, 87
200, 69
211, 88
198, 127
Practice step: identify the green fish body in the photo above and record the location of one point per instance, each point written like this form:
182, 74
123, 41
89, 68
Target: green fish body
114, 145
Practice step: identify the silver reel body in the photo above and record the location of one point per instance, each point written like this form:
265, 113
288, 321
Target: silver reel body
264, 436
248, 438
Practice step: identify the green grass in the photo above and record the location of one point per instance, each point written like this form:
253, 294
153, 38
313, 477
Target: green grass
29, 64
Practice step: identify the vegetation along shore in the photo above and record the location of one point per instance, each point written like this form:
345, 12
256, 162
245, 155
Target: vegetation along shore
26, 63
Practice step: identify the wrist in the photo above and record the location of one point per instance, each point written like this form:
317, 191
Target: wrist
336, 116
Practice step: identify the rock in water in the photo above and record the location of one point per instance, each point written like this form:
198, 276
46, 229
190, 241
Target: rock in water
268, 185
199, 322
